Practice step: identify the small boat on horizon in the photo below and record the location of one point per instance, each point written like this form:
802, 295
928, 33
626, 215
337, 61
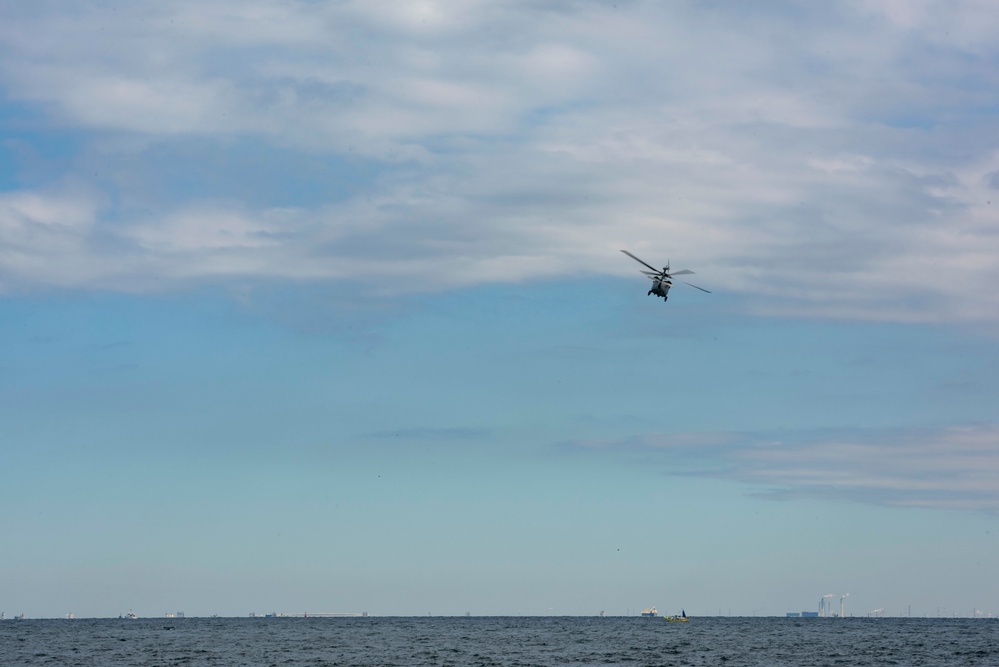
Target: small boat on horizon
682, 618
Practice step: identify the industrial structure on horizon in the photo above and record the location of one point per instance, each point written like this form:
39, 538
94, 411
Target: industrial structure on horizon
309, 614
825, 608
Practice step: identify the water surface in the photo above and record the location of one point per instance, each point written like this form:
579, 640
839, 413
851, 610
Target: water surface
495, 641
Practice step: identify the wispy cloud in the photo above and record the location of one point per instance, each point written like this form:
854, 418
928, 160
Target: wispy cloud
426, 435
950, 468
833, 161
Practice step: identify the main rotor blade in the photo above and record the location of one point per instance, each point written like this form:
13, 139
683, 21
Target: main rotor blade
641, 261
681, 272
696, 287
649, 273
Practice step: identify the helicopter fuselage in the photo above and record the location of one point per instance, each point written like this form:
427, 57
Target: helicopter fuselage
660, 288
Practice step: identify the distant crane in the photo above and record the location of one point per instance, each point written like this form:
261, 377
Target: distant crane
842, 597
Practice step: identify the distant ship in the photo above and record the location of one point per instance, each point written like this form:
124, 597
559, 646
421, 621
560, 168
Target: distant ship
650, 612
681, 618
131, 615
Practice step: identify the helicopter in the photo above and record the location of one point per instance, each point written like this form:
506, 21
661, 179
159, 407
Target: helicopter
662, 280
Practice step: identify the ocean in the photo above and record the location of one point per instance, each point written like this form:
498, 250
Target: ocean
495, 641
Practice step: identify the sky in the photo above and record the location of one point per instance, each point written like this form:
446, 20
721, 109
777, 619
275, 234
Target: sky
319, 307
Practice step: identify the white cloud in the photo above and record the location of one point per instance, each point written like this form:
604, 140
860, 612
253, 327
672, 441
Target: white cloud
835, 162
44, 237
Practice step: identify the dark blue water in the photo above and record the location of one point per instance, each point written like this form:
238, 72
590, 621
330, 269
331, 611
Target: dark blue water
493, 641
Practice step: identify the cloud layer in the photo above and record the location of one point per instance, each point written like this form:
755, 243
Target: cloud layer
837, 161
950, 468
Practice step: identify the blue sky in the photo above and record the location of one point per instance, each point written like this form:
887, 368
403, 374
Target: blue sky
310, 307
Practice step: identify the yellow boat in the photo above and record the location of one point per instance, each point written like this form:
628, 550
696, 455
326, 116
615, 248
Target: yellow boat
682, 618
